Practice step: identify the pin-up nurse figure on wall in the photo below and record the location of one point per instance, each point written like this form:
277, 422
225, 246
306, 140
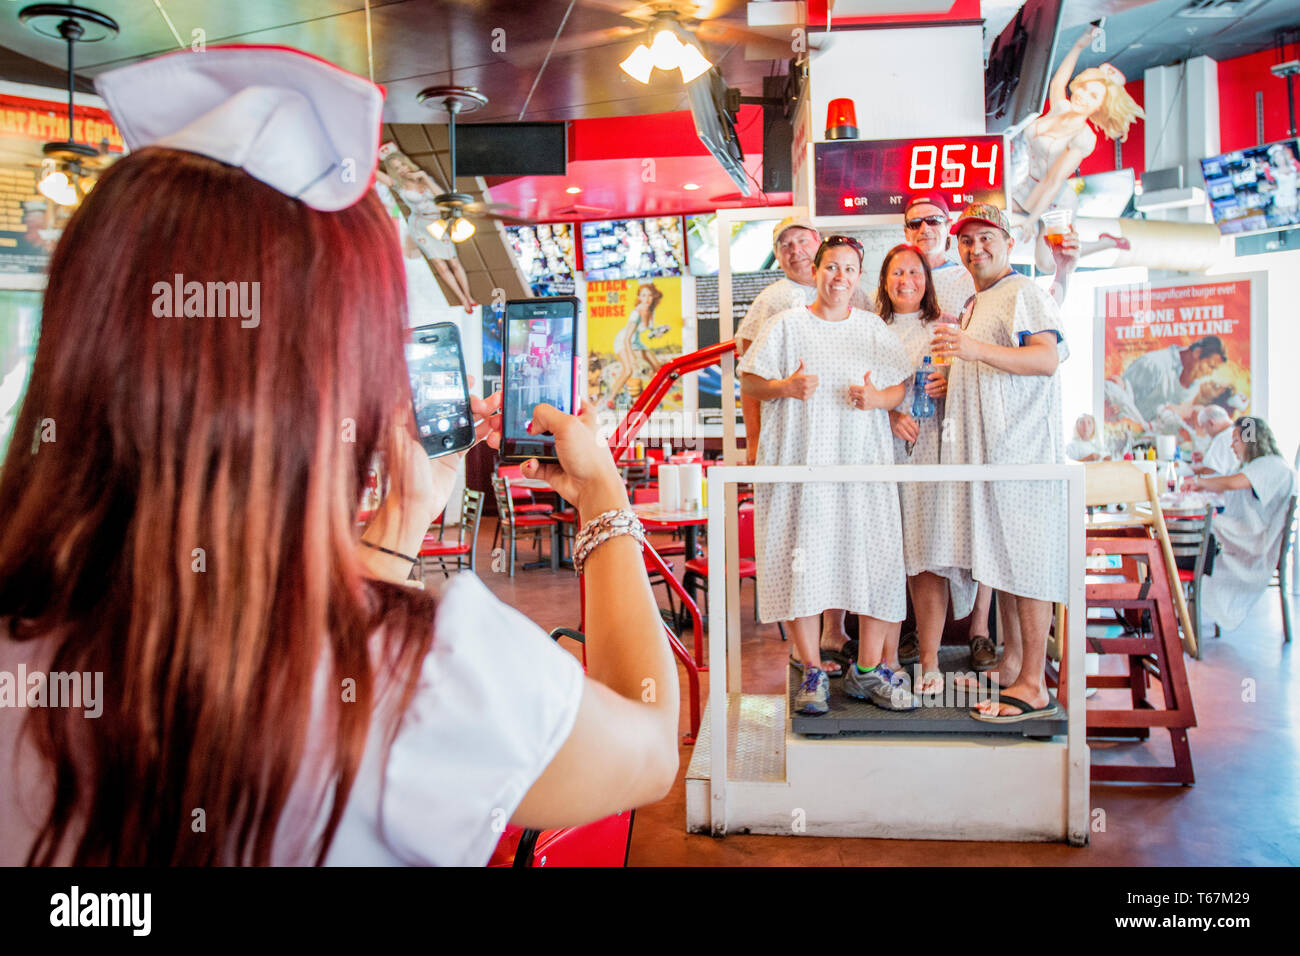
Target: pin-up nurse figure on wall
1053, 146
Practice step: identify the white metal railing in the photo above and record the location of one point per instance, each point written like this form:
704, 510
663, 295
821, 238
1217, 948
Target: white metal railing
723, 589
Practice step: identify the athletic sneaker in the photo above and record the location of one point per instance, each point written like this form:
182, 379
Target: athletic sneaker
814, 693
897, 678
875, 685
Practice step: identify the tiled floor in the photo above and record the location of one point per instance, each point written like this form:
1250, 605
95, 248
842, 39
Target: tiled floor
1243, 810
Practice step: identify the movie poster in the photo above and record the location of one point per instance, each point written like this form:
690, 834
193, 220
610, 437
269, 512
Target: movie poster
1170, 350
634, 326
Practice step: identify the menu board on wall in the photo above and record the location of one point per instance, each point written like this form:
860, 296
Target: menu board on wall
30, 224
634, 327
1170, 350
632, 248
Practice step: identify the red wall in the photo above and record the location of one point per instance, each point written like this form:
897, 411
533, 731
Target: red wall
1239, 80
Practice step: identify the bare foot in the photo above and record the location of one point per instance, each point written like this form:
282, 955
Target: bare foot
1002, 676
931, 682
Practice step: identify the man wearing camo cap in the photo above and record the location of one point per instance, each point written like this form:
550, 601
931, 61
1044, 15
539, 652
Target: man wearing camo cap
1004, 408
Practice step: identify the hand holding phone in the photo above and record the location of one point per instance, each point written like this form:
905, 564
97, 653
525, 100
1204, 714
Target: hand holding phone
584, 473
539, 366
439, 389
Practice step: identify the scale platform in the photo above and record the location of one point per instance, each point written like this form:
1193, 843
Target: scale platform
946, 713
906, 786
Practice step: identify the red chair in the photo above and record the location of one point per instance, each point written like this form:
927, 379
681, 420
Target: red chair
697, 570
462, 554
525, 503
511, 525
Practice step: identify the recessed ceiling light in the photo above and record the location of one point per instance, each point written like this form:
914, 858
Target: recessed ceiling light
573, 190
690, 185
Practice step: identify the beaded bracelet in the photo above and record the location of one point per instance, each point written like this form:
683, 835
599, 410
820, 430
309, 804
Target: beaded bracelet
600, 529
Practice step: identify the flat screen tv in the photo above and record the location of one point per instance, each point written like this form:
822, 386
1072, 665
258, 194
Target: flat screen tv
1253, 190
1020, 67
716, 127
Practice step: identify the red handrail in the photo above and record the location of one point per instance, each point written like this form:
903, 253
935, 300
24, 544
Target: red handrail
621, 441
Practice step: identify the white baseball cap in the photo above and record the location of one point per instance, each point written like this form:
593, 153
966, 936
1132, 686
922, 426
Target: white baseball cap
789, 222
297, 123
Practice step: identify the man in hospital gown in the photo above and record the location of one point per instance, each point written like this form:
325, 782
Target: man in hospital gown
1004, 408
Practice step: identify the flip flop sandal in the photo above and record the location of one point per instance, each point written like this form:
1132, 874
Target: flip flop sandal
798, 665
1027, 712
842, 656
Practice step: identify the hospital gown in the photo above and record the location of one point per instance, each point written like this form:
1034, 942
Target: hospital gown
953, 286
781, 295
931, 518
828, 545
1250, 537
1018, 535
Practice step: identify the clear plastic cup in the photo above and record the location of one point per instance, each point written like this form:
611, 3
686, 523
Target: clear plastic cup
936, 357
1056, 225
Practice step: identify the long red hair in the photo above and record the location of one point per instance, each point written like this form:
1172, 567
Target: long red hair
250, 443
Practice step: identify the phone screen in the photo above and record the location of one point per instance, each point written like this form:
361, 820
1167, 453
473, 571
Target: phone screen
439, 389
538, 366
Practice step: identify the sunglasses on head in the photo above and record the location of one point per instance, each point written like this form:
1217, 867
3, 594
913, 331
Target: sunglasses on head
927, 220
830, 242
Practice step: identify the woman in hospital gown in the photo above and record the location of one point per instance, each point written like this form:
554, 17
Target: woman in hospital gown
810, 537
1251, 527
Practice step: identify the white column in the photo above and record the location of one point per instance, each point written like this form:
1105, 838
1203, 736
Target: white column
1182, 125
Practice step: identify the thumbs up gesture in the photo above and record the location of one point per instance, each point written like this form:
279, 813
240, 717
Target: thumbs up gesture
867, 395
800, 384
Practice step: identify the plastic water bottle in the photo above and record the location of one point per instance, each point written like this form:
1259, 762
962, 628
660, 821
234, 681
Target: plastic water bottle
922, 404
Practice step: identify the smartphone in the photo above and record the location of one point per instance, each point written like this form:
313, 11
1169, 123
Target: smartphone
538, 364
439, 389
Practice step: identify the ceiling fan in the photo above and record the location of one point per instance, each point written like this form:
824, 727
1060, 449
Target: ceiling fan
69, 170
458, 208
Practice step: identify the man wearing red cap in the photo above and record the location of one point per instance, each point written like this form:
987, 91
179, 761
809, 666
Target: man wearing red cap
926, 220
1004, 408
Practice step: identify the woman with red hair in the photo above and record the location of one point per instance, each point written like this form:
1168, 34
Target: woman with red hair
181, 527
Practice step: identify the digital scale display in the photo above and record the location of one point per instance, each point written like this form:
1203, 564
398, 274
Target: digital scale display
876, 177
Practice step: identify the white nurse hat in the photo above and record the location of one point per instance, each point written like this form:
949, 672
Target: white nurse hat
297, 123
